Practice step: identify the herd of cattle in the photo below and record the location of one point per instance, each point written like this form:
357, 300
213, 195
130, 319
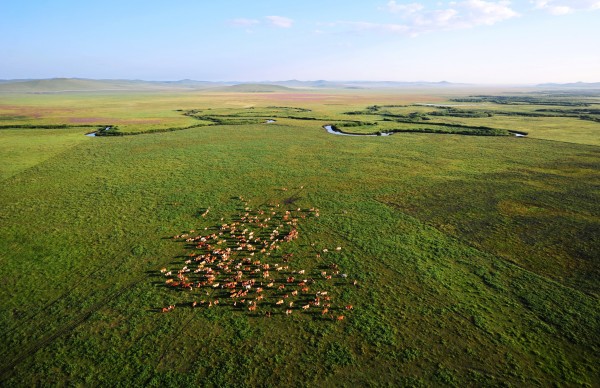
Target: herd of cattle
243, 264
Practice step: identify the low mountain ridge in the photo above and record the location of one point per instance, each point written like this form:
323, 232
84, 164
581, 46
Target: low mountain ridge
65, 85
572, 85
255, 88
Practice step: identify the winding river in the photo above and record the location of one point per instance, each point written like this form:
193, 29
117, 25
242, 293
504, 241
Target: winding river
331, 129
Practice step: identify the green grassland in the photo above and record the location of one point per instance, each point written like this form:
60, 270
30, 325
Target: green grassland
25, 148
470, 260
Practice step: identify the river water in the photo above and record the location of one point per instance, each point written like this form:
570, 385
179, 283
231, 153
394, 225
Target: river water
330, 129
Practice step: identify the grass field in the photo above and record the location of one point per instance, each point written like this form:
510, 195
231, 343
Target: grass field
469, 260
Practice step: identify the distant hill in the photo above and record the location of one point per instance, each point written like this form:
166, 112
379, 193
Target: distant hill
190, 83
65, 85
56, 85
255, 88
574, 85
363, 84
5, 81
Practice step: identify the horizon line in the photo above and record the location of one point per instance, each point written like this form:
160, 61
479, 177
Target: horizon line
304, 81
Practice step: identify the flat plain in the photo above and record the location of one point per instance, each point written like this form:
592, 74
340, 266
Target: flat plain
455, 252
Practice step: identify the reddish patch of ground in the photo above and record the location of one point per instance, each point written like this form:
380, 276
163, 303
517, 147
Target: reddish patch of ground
87, 120
302, 97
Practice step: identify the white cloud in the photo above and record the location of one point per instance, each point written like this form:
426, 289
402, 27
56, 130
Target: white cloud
244, 22
438, 19
405, 9
381, 27
280, 21
275, 21
488, 12
563, 7
416, 19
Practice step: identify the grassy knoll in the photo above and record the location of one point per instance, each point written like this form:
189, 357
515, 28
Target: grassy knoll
475, 257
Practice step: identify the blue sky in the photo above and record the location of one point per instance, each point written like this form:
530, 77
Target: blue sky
474, 41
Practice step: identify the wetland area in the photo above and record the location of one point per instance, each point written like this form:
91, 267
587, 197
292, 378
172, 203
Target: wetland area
226, 238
